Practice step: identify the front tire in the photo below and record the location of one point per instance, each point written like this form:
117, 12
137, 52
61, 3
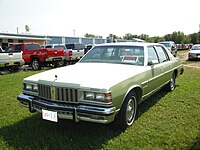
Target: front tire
128, 111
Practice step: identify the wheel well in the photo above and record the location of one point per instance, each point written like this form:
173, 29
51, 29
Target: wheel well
176, 72
138, 92
34, 57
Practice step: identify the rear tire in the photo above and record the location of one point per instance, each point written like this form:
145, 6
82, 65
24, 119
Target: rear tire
36, 64
172, 83
128, 111
16, 68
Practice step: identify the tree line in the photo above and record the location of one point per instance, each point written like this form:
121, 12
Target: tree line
178, 37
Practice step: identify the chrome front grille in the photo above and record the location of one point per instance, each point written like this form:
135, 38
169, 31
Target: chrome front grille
58, 93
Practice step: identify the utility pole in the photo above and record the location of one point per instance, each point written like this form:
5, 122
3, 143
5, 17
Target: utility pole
74, 32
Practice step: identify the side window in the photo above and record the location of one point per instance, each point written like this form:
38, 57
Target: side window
48, 46
152, 55
32, 46
18, 48
162, 54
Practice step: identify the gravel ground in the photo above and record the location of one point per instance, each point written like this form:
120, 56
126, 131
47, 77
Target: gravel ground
193, 64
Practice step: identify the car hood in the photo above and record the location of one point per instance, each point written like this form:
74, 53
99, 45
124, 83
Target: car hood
194, 51
93, 75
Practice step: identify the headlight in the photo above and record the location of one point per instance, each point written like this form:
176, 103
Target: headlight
100, 97
30, 87
89, 95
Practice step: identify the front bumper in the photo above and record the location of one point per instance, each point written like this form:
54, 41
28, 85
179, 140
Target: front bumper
193, 56
76, 112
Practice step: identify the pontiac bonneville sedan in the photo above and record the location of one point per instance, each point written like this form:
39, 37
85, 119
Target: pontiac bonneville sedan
106, 85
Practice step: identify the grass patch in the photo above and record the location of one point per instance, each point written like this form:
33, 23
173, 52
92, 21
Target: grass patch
165, 121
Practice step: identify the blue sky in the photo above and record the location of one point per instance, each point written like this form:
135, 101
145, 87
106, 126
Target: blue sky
99, 17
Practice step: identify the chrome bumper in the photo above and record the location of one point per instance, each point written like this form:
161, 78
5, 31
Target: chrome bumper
68, 111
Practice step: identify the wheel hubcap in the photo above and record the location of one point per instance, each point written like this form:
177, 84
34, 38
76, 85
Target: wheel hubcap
130, 110
172, 83
35, 64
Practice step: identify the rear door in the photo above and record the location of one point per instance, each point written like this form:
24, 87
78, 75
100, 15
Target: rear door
160, 71
166, 64
154, 71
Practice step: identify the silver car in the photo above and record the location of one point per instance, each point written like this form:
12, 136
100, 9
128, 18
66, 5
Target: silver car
194, 52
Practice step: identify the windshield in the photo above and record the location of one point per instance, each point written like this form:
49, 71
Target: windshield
116, 54
195, 47
166, 44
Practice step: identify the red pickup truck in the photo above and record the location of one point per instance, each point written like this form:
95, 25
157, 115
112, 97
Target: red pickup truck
36, 57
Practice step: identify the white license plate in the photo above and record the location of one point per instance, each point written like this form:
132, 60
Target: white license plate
49, 115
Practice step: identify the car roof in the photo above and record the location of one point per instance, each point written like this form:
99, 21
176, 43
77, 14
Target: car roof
53, 44
196, 45
166, 42
128, 44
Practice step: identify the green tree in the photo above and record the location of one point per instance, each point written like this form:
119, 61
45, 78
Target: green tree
144, 37
92, 36
129, 36
195, 38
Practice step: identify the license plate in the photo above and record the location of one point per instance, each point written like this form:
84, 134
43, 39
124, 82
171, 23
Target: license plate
49, 115
11, 63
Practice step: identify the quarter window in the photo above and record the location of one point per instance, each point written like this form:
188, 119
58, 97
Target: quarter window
161, 54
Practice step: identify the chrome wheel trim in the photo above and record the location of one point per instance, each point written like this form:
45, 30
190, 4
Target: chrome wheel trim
35, 64
131, 110
172, 83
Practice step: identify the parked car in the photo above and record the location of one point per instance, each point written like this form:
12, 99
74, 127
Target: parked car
77, 51
11, 60
106, 85
67, 52
194, 52
171, 46
36, 56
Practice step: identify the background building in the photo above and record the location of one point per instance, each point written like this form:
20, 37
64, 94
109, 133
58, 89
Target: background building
8, 38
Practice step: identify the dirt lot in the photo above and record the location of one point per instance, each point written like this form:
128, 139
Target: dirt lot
193, 64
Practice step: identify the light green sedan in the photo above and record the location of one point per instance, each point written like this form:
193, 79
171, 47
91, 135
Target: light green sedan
106, 85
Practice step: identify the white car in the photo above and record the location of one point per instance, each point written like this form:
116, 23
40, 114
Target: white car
194, 52
11, 60
77, 51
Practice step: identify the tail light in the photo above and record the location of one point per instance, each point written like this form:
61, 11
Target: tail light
70, 53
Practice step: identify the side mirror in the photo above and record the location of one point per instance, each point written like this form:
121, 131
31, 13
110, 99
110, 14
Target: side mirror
152, 62
173, 47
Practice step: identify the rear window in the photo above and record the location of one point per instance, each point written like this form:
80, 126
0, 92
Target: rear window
60, 46
48, 46
75, 46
